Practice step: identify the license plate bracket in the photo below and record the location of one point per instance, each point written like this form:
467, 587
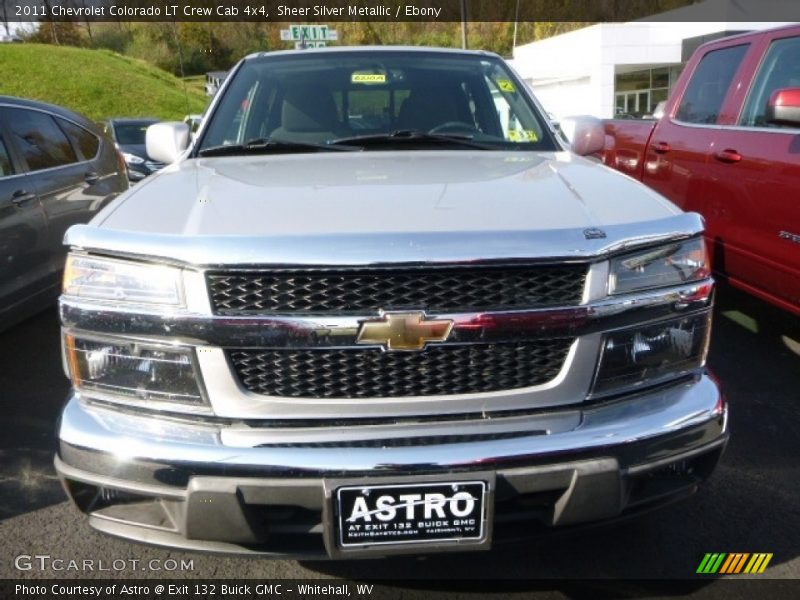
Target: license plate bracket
409, 514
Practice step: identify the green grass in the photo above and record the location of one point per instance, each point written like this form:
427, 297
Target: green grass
95, 83
196, 82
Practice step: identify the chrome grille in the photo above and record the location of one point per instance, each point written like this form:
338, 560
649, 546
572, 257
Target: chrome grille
373, 373
365, 291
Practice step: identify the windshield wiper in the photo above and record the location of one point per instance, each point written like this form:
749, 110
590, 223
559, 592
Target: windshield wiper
267, 145
412, 136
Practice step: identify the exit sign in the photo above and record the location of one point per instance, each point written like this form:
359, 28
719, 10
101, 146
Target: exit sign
309, 33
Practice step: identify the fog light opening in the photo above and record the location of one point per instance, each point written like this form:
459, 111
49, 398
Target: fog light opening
638, 357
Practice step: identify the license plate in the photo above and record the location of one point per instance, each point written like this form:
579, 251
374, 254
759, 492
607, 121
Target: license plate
411, 514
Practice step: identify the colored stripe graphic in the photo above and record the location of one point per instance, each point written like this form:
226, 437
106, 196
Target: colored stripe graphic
730, 564
730, 560
711, 563
741, 562
717, 564
703, 563
734, 563
758, 563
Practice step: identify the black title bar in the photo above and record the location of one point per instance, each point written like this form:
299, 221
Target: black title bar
699, 588
324, 11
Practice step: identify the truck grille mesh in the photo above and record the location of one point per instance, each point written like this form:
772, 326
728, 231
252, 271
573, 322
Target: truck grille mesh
373, 373
365, 291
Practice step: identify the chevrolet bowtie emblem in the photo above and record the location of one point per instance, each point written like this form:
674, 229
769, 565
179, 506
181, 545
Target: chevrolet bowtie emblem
404, 331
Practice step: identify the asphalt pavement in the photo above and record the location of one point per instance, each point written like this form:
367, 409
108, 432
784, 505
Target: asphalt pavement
751, 504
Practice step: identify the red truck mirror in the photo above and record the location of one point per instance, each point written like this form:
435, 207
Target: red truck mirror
783, 107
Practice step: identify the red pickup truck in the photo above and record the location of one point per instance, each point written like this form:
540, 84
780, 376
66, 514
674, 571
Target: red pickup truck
728, 147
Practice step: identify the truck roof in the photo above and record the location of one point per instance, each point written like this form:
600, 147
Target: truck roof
374, 49
751, 34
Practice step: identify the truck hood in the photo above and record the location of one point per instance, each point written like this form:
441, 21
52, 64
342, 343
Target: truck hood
377, 198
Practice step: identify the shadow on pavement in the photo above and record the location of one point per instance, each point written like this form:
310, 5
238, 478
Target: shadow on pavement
32, 391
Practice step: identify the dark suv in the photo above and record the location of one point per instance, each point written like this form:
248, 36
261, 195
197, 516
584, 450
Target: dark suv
56, 169
129, 137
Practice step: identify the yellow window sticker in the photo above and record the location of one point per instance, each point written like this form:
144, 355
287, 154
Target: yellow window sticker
530, 135
506, 85
368, 78
524, 135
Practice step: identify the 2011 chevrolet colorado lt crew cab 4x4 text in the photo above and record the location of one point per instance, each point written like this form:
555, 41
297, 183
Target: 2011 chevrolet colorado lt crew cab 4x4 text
376, 307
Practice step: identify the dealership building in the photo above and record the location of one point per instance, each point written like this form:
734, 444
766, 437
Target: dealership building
621, 69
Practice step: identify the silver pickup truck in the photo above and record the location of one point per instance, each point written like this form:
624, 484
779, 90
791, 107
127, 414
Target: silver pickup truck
378, 305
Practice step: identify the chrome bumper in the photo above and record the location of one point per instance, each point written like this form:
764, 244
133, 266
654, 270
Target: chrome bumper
171, 465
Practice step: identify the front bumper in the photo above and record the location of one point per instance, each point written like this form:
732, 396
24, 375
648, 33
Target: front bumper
178, 483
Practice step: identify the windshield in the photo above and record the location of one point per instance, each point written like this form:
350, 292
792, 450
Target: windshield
131, 133
323, 97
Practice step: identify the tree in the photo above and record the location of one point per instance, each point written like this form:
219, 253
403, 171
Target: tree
4, 6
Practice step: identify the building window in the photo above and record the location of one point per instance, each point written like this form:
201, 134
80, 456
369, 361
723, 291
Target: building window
637, 93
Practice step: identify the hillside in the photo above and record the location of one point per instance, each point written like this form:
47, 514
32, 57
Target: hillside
96, 83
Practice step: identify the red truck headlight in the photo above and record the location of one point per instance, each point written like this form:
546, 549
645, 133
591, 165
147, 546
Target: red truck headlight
641, 356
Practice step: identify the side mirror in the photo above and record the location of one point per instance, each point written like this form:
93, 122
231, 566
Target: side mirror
166, 141
586, 134
783, 107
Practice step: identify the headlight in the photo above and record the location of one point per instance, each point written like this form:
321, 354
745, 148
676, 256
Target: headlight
132, 159
122, 281
672, 264
652, 354
134, 373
